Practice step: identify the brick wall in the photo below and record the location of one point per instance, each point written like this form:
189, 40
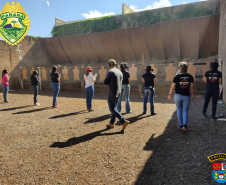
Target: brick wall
32, 52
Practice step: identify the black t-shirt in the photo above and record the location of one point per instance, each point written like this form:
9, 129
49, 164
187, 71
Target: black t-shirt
213, 78
149, 79
114, 81
183, 83
126, 75
54, 77
34, 80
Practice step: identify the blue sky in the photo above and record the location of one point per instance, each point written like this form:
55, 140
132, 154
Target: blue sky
42, 13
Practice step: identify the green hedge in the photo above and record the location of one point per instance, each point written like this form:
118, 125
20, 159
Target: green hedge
131, 20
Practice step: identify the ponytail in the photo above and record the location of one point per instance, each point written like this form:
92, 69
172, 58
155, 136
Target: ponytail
5, 71
148, 69
54, 69
87, 72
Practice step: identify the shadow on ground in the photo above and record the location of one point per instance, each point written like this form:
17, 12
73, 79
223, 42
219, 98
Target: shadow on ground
35, 110
181, 157
76, 140
70, 114
15, 108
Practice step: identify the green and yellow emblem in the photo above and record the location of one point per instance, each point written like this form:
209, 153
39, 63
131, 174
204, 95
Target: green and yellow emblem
14, 23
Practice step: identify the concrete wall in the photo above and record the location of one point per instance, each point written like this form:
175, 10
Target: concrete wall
32, 52
178, 40
222, 43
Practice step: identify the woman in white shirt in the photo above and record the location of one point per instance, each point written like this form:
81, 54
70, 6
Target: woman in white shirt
89, 79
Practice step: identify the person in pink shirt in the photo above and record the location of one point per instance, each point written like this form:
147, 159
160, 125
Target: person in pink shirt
5, 84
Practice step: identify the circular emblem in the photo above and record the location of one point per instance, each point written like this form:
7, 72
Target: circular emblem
14, 23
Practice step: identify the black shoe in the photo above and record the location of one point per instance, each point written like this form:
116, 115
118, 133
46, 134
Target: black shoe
213, 119
180, 127
144, 113
90, 110
153, 113
6, 101
204, 115
185, 128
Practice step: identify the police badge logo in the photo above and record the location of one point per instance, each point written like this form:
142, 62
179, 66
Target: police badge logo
218, 169
14, 23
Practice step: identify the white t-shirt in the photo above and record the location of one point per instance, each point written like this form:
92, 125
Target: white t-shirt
89, 80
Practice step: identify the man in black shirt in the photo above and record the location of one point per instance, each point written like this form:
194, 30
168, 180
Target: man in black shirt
114, 81
212, 78
125, 88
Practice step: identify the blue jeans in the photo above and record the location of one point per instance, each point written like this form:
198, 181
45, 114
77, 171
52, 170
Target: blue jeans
126, 93
5, 92
182, 104
149, 92
89, 96
55, 88
214, 93
112, 103
35, 89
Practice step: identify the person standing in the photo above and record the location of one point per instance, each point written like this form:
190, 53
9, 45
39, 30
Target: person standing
114, 81
35, 82
55, 85
183, 83
125, 88
212, 79
149, 80
89, 87
5, 84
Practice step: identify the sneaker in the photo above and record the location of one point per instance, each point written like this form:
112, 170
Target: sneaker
204, 115
109, 126
180, 127
6, 101
90, 110
185, 128
153, 113
37, 103
125, 125
144, 113
213, 119
56, 106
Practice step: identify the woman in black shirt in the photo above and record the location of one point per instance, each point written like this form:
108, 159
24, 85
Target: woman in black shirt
149, 80
183, 82
125, 88
35, 83
212, 79
55, 85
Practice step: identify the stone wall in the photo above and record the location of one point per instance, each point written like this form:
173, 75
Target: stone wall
222, 43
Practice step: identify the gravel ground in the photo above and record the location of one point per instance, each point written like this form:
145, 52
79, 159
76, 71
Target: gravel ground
68, 145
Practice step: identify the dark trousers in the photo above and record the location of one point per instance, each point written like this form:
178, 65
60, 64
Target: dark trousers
112, 103
35, 89
214, 93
